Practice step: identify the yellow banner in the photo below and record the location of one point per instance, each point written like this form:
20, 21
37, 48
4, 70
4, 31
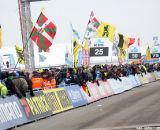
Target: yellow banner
58, 99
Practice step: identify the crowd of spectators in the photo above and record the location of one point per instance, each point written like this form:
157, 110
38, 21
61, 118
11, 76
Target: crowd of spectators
21, 82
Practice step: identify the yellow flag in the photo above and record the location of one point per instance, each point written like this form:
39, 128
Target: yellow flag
122, 53
86, 47
106, 30
0, 37
20, 54
126, 42
123, 41
76, 49
148, 54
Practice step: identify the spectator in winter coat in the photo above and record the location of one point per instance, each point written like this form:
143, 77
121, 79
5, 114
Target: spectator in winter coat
21, 84
3, 90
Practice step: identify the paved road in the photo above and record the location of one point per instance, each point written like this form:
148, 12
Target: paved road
132, 109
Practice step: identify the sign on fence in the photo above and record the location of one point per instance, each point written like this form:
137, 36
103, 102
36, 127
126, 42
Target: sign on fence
107, 88
36, 107
76, 95
11, 113
116, 86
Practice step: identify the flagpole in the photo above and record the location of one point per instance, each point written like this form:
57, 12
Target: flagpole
27, 39
87, 39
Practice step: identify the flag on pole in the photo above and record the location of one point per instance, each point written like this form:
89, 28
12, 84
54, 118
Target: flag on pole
86, 46
86, 57
80, 58
20, 54
43, 32
114, 47
76, 49
0, 37
131, 41
74, 32
148, 54
123, 42
138, 41
122, 53
42, 58
92, 26
106, 30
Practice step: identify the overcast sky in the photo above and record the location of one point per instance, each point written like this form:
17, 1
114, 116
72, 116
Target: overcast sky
134, 18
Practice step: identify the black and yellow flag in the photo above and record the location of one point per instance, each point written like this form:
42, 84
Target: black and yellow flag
20, 54
76, 49
122, 53
123, 42
106, 30
0, 37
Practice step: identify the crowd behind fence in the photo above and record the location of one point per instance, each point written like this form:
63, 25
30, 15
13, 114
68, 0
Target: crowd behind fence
20, 82
61, 89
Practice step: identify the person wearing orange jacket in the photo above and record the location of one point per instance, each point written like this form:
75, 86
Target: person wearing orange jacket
49, 81
37, 80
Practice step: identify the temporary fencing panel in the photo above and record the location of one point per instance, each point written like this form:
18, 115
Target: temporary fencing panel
76, 95
137, 80
157, 76
153, 76
158, 73
107, 88
143, 79
116, 86
88, 96
53, 101
127, 85
94, 91
150, 77
133, 81
11, 113
36, 107
62, 98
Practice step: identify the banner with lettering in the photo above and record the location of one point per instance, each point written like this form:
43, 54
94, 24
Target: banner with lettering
60, 100
76, 95
100, 50
36, 107
11, 113
134, 53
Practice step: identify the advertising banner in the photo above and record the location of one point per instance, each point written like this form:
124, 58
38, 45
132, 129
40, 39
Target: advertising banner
36, 107
126, 83
150, 77
116, 86
53, 101
94, 91
87, 95
137, 80
107, 88
133, 81
11, 113
61, 100
143, 79
76, 95
157, 75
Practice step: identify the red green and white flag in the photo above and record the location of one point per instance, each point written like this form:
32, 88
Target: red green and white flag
43, 32
92, 26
